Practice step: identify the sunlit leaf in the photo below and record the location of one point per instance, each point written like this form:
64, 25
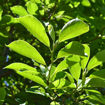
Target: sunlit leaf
51, 32
19, 10
27, 72
75, 70
35, 27
31, 7
85, 59
70, 77
73, 28
22, 67
25, 49
96, 60
1, 11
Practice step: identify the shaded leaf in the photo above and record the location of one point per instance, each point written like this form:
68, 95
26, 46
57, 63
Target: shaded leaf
2, 95
72, 29
98, 74
96, 82
71, 48
25, 49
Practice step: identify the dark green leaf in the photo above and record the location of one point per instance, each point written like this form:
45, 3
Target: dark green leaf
71, 48
2, 95
98, 74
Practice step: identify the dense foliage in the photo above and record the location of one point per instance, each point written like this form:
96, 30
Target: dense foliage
52, 52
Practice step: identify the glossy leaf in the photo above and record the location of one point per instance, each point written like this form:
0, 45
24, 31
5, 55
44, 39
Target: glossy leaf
19, 10
71, 48
31, 7
51, 32
25, 49
73, 28
2, 95
97, 60
85, 59
22, 67
35, 27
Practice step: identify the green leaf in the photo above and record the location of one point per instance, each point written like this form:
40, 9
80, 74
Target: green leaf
54, 103
71, 48
75, 70
1, 11
27, 72
72, 29
37, 1
97, 60
25, 49
2, 95
84, 60
96, 82
98, 74
86, 3
51, 32
31, 7
35, 27
67, 62
59, 83
22, 67
37, 90
19, 10
31, 76
70, 77
95, 95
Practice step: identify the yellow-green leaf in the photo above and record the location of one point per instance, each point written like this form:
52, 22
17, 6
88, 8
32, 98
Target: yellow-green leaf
25, 49
73, 28
35, 27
